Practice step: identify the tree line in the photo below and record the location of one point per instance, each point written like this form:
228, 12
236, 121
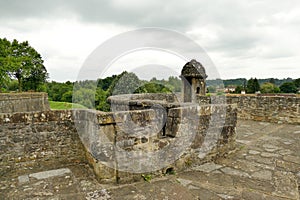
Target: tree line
93, 93
22, 69
242, 81
254, 85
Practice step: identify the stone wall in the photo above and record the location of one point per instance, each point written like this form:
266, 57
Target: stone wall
276, 109
23, 102
38, 141
266, 108
157, 133
185, 132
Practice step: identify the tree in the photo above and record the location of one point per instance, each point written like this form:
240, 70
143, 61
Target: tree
84, 97
4, 68
29, 67
12, 85
239, 89
106, 82
176, 83
288, 87
37, 77
125, 83
269, 88
272, 80
155, 87
67, 96
297, 82
22, 62
252, 86
100, 100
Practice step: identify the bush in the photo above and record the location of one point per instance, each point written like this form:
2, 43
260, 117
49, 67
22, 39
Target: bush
288, 87
269, 88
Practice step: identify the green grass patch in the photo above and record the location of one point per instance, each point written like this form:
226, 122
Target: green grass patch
56, 105
147, 177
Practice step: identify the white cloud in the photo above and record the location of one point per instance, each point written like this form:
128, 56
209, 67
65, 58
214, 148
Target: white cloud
148, 64
63, 44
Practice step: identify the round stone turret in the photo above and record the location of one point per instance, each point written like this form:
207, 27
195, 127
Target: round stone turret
193, 76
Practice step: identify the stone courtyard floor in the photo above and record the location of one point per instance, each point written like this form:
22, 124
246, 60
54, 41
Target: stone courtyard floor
266, 165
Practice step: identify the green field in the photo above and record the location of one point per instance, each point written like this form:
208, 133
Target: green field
56, 105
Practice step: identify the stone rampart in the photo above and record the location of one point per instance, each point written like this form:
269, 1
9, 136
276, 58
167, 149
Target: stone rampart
267, 108
38, 141
275, 109
156, 135
107, 141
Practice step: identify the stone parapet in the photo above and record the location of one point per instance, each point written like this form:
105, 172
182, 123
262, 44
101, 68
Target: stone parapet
38, 141
23, 102
120, 146
276, 109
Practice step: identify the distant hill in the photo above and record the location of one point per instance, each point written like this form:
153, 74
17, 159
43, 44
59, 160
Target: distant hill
242, 81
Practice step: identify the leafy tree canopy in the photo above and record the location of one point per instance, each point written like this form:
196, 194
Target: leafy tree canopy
297, 82
252, 86
269, 88
288, 87
239, 89
20, 61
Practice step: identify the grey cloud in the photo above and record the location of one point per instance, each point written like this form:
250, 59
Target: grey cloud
242, 27
27, 9
93, 11
236, 40
170, 14
277, 53
147, 72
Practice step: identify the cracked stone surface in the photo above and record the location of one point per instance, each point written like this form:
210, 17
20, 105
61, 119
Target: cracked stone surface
207, 167
266, 166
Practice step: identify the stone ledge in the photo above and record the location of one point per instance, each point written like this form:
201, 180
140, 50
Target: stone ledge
44, 175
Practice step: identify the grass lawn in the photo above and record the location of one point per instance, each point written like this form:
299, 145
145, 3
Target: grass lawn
56, 105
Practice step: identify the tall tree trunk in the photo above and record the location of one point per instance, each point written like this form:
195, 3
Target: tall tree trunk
20, 84
19, 77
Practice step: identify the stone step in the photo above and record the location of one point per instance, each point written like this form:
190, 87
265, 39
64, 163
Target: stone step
44, 175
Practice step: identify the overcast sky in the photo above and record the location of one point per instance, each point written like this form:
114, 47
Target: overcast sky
243, 38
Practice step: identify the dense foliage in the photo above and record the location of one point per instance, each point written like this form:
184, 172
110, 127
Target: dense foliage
252, 86
289, 87
19, 61
267, 88
93, 94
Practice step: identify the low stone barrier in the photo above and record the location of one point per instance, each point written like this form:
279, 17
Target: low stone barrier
182, 137
23, 102
38, 141
276, 109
